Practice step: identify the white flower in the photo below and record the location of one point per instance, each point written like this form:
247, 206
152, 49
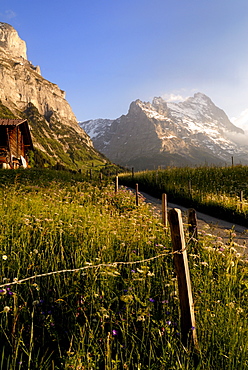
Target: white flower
150, 273
4, 257
6, 309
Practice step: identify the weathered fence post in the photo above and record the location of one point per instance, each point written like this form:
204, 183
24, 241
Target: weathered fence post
116, 184
190, 188
188, 330
132, 172
192, 223
164, 210
137, 194
241, 200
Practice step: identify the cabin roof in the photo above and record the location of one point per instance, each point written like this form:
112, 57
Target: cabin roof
11, 122
25, 129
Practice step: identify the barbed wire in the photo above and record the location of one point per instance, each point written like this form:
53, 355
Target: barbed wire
113, 264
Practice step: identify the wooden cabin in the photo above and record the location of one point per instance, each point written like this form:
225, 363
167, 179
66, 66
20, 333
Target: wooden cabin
15, 142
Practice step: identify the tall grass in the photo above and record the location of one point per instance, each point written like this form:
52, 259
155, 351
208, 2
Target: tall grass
213, 189
118, 309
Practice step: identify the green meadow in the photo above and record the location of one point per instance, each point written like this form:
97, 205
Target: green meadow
221, 191
88, 282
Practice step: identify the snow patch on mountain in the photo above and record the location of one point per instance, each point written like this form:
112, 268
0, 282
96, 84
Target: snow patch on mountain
192, 131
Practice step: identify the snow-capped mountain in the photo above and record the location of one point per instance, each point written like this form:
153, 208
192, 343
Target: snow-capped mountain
191, 132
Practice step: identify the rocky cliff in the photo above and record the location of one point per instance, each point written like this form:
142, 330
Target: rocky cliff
168, 134
26, 93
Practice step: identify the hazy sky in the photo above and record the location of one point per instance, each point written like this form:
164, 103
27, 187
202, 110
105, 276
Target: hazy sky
107, 53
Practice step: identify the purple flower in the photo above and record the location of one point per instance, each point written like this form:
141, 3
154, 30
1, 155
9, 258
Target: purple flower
114, 332
133, 271
168, 322
152, 300
166, 301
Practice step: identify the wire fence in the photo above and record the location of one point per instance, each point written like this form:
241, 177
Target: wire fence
113, 264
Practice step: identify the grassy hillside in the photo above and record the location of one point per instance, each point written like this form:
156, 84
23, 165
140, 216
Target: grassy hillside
87, 282
56, 144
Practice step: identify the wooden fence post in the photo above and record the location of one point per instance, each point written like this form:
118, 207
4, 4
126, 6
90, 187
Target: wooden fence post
116, 184
188, 330
164, 210
132, 172
241, 200
137, 194
192, 223
190, 188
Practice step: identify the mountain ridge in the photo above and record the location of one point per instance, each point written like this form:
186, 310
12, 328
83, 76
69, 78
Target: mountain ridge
160, 133
56, 135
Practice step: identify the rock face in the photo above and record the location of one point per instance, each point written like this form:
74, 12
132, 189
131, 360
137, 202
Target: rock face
11, 43
168, 134
25, 92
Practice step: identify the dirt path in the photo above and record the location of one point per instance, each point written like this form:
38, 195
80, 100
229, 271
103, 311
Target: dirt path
210, 225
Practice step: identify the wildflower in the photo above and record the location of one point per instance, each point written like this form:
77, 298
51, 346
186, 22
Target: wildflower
114, 332
6, 309
150, 273
3, 291
152, 300
4, 257
168, 322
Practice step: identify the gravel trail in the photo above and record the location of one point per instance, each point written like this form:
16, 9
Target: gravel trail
207, 224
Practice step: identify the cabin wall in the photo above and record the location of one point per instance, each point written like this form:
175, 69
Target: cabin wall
16, 142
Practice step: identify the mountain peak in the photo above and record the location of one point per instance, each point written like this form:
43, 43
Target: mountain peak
194, 131
11, 43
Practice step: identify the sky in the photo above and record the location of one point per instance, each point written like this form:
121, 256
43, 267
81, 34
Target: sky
107, 53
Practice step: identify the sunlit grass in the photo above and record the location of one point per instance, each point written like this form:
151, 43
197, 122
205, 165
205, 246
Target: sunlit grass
215, 189
120, 309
